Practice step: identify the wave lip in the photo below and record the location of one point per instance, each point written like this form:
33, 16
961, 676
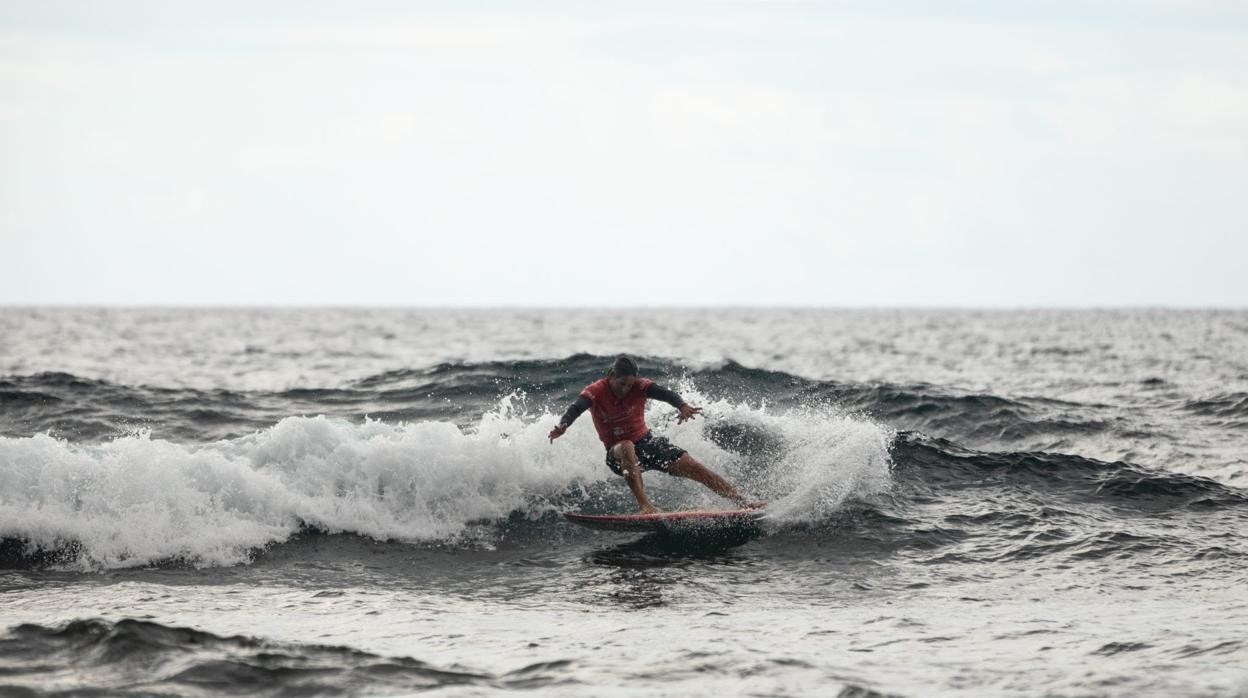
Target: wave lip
137, 501
85, 409
133, 656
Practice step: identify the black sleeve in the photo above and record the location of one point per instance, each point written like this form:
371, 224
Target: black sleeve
659, 393
582, 403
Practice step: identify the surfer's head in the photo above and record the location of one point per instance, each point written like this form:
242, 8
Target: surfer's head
622, 374
621, 367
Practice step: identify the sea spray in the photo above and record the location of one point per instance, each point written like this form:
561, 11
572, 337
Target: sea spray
808, 462
135, 500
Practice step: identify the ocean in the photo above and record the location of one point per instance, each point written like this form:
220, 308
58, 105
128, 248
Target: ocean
297, 502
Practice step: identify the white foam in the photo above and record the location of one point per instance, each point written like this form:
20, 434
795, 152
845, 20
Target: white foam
136, 500
824, 458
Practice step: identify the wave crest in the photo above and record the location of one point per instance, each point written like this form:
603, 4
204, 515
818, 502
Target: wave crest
137, 500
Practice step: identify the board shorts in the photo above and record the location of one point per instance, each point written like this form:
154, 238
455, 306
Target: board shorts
654, 452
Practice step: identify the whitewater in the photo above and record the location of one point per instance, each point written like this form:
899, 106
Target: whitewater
353, 501
134, 501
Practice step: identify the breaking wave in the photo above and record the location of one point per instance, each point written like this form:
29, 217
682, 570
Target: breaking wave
137, 500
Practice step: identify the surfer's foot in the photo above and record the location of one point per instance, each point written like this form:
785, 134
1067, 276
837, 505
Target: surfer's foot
750, 505
649, 509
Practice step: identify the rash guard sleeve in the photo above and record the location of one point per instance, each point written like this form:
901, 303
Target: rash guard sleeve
582, 403
659, 393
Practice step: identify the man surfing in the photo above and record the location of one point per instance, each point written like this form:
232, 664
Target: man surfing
619, 414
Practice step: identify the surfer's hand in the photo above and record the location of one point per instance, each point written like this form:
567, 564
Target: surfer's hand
557, 432
687, 412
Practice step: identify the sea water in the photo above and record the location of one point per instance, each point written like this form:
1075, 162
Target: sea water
329, 501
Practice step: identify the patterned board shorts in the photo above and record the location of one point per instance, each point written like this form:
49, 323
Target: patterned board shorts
654, 452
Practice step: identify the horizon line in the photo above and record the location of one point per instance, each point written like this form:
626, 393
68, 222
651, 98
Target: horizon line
639, 306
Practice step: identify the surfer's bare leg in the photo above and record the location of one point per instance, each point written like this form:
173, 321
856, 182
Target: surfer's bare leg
631, 467
686, 466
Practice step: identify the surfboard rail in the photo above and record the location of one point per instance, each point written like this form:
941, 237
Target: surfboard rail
668, 521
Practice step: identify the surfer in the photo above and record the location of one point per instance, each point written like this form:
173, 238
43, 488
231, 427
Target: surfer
619, 414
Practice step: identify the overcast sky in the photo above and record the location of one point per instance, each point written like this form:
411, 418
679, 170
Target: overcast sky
539, 153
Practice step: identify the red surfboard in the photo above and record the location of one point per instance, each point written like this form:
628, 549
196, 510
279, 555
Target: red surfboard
668, 521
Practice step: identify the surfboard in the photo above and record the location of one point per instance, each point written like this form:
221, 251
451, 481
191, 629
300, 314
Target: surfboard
669, 521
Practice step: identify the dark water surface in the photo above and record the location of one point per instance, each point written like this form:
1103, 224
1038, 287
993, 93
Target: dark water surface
311, 502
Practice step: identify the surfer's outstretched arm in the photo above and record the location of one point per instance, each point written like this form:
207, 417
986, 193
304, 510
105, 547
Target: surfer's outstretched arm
574, 410
657, 392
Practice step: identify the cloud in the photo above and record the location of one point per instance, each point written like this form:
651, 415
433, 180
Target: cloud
455, 32
734, 141
268, 157
1195, 113
180, 207
109, 145
407, 128
1210, 113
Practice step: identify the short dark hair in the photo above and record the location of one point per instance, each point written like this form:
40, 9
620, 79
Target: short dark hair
622, 366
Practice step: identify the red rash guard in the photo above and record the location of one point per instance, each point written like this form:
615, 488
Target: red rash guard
618, 419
